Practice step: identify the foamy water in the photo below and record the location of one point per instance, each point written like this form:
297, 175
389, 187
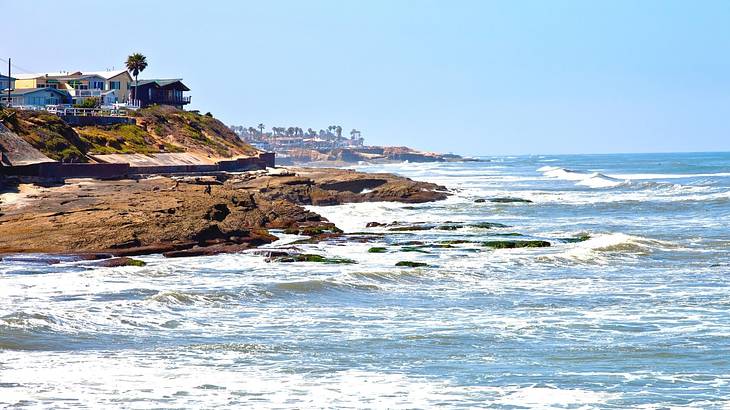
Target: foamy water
635, 316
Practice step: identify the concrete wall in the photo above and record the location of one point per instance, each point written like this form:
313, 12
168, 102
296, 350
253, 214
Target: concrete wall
116, 170
75, 121
61, 170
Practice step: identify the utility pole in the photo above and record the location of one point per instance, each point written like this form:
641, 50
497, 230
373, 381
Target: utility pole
9, 82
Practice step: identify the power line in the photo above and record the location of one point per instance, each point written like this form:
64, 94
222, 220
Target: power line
17, 67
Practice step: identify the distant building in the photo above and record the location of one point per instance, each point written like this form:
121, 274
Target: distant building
161, 91
6, 82
35, 97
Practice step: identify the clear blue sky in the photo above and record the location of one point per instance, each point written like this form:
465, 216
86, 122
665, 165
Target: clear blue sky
474, 77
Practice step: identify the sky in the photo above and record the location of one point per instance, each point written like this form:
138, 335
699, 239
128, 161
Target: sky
471, 77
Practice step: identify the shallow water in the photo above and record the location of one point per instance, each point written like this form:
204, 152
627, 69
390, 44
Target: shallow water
636, 316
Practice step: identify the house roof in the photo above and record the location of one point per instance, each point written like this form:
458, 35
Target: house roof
107, 74
39, 75
78, 77
4, 77
164, 82
24, 91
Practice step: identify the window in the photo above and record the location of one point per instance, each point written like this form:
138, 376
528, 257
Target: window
115, 85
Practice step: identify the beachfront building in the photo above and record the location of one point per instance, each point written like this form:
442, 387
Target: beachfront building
6, 82
118, 80
37, 97
83, 86
108, 88
41, 80
161, 92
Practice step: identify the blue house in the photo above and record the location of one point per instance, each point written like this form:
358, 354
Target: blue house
6, 82
36, 97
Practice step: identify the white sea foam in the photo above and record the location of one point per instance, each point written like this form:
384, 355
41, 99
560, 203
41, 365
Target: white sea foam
550, 397
598, 180
591, 180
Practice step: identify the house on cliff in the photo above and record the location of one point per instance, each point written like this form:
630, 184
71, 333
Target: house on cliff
161, 92
35, 97
115, 80
108, 86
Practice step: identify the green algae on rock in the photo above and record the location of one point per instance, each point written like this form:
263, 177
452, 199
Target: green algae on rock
488, 225
516, 244
310, 257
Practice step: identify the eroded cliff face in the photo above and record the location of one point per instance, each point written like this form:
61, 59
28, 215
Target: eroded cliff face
188, 216
155, 129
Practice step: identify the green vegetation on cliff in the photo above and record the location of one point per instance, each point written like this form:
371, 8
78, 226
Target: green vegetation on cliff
156, 129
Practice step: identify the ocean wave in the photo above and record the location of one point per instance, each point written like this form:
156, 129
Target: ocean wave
598, 180
602, 248
589, 179
322, 285
24, 320
174, 297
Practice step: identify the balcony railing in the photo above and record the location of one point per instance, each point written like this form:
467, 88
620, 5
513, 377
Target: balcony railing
169, 100
85, 93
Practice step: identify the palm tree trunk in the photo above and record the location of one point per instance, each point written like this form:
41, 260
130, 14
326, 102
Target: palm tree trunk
136, 84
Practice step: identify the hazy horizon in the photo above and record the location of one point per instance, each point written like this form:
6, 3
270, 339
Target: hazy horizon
474, 78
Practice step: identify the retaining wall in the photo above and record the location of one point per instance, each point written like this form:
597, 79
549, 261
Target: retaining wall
120, 170
81, 120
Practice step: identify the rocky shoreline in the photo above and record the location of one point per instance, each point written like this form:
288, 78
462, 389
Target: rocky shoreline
186, 216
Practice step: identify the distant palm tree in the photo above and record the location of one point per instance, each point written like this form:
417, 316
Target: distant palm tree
261, 129
136, 63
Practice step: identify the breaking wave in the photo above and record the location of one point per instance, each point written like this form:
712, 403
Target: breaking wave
592, 180
604, 248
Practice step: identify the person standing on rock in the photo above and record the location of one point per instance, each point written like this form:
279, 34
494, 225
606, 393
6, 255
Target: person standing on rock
208, 190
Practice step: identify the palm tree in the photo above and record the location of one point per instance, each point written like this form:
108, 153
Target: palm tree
136, 63
261, 129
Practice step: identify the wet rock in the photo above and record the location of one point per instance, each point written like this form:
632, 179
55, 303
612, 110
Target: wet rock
313, 230
377, 249
310, 257
412, 249
507, 200
409, 264
448, 227
207, 250
374, 224
516, 244
132, 243
411, 228
576, 239
411, 243
123, 261
488, 225
456, 242
218, 212
480, 200
33, 260
93, 256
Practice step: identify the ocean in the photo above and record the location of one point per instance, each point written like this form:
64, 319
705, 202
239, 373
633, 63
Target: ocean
628, 308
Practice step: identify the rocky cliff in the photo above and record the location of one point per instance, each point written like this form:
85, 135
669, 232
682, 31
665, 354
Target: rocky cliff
155, 129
